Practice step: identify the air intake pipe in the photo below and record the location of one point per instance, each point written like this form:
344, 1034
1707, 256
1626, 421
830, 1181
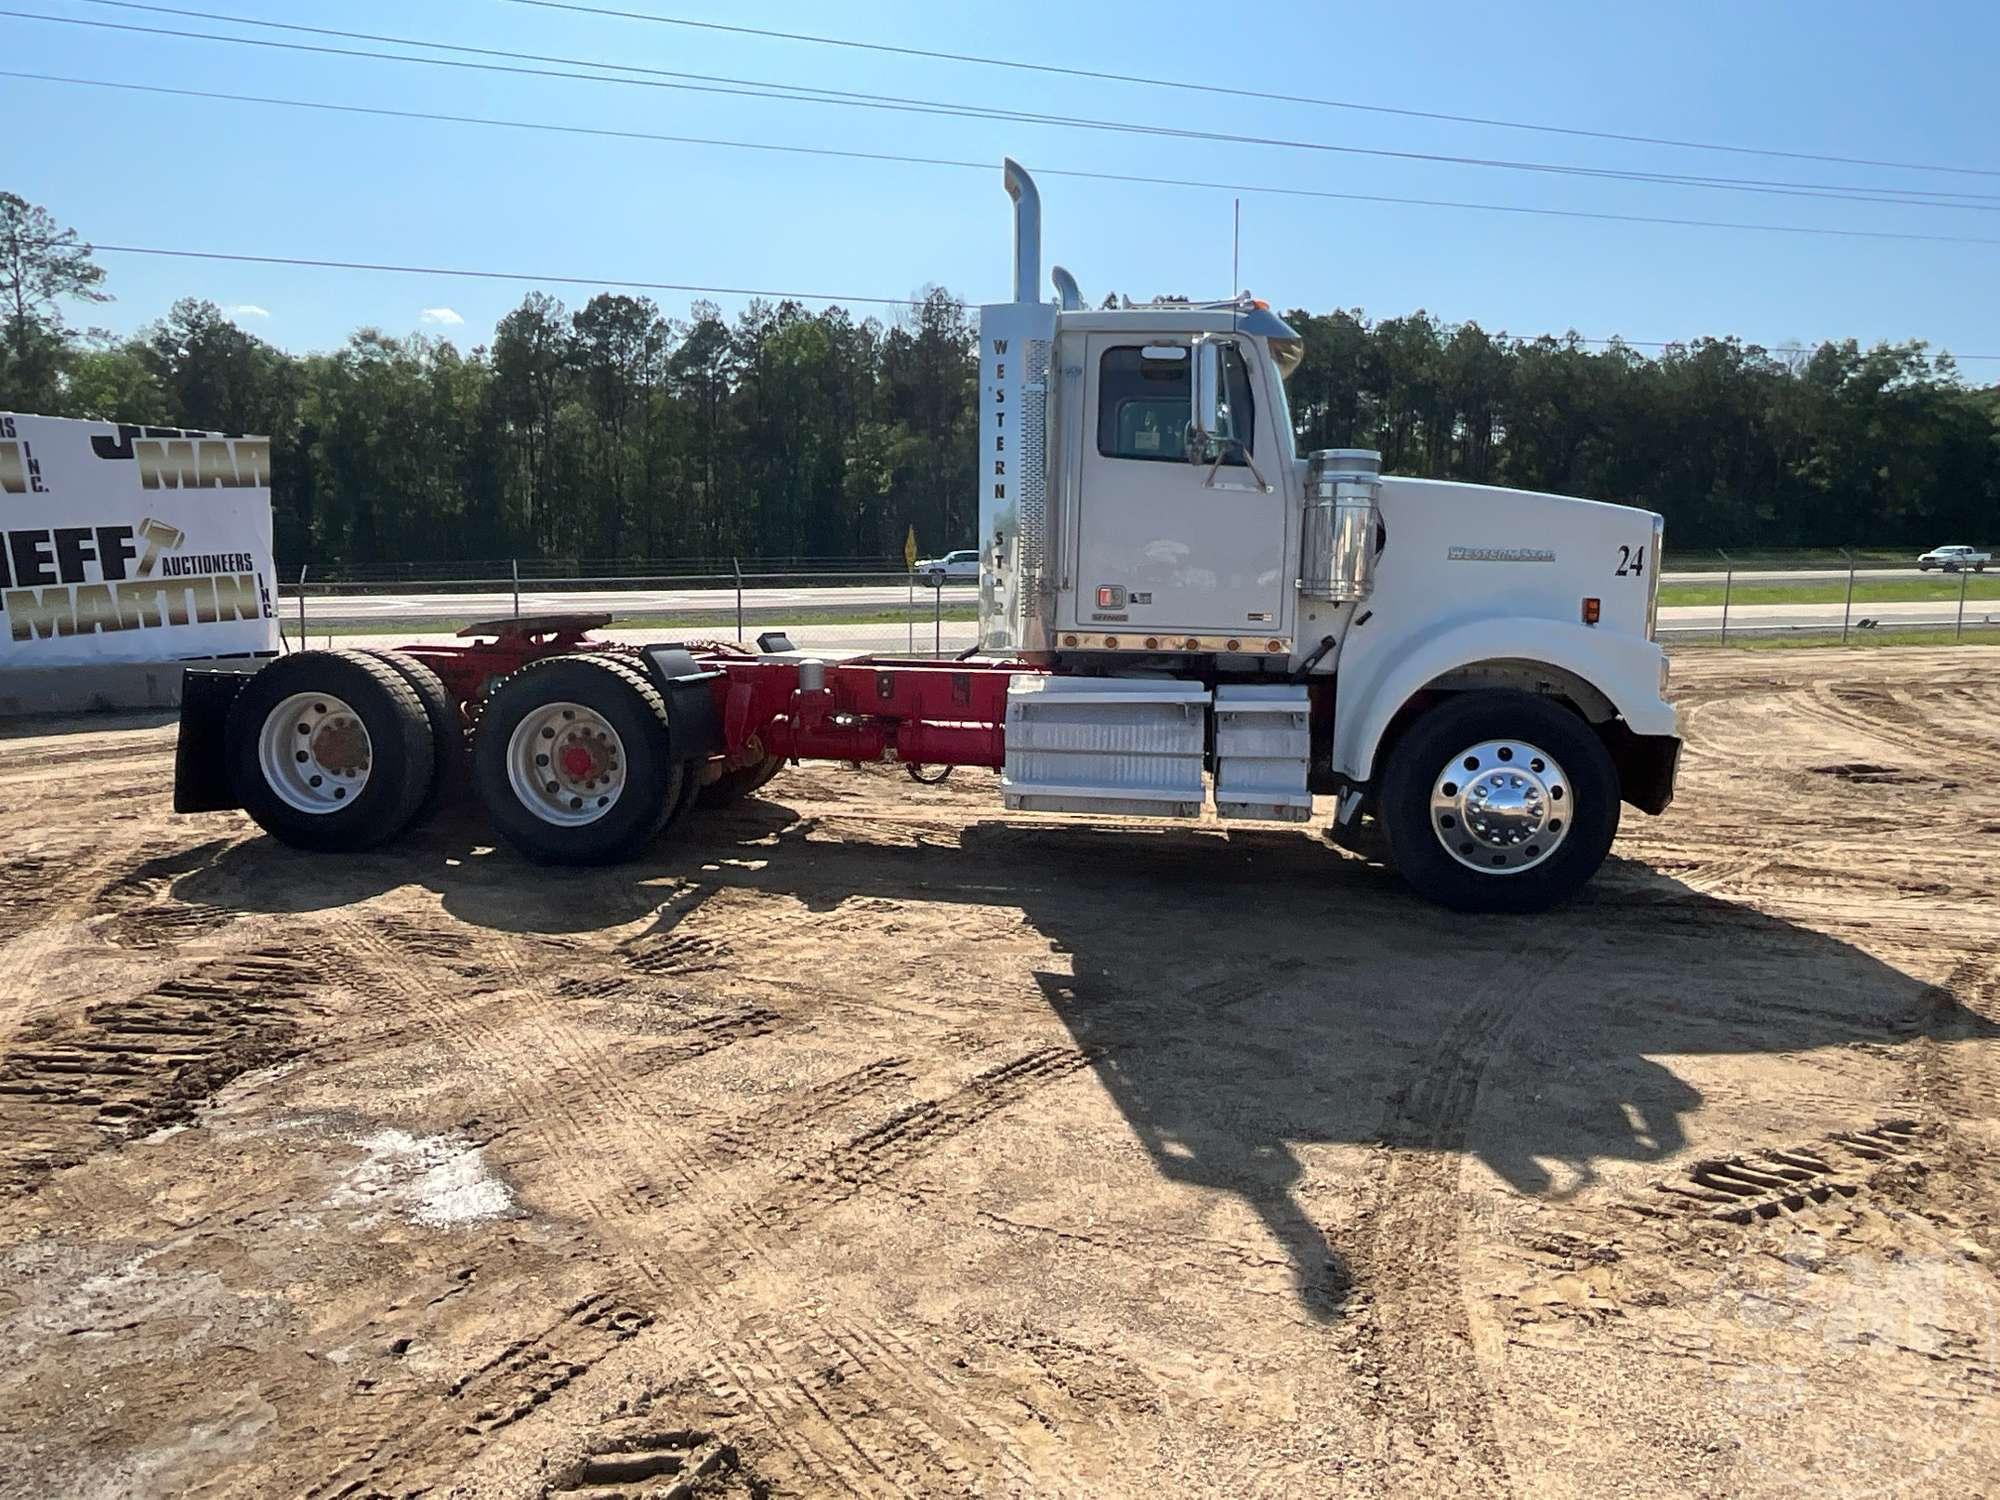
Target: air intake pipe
1343, 520
1069, 296
1027, 230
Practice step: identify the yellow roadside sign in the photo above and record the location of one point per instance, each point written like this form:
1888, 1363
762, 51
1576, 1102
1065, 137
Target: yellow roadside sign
910, 548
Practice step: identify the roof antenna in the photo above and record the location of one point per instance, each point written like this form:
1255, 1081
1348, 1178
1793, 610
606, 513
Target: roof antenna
1236, 268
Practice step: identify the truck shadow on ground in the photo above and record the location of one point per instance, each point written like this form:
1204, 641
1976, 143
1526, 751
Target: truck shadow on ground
1248, 998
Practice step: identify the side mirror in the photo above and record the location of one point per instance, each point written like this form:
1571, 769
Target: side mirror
1205, 394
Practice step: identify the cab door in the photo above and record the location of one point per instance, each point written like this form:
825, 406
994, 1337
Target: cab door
1165, 546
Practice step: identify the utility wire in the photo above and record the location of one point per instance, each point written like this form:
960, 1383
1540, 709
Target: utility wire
985, 112
711, 84
1241, 93
315, 263
983, 166
364, 265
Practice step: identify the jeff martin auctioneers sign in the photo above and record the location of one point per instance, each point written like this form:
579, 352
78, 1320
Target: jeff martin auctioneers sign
132, 544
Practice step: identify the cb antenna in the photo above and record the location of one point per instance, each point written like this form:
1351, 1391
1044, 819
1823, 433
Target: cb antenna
1236, 267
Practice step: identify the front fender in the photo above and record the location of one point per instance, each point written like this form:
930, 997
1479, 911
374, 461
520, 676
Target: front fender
1624, 668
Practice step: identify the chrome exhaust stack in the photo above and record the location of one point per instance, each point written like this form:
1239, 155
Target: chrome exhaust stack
1027, 230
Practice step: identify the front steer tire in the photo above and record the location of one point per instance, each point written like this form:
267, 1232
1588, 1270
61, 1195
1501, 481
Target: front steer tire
400, 760
1590, 796
623, 697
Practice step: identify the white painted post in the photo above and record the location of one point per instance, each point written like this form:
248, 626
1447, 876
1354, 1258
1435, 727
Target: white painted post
1728, 582
1847, 612
1958, 631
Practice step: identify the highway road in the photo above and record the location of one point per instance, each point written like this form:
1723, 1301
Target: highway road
1822, 616
361, 609
956, 635
1796, 575
773, 604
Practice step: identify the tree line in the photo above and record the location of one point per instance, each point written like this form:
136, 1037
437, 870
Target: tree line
616, 431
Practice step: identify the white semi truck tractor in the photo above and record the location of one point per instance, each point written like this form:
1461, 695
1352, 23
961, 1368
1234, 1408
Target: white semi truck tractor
1179, 613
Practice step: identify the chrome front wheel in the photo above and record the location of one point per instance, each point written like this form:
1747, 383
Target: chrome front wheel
1499, 800
1502, 806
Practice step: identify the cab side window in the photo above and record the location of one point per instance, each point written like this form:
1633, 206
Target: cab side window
1142, 405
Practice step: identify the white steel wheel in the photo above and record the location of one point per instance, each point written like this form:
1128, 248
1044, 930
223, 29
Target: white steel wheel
315, 753
567, 764
1502, 806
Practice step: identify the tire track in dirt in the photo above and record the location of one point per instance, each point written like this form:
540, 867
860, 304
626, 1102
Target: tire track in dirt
779, 1379
685, 1461
836, 1391
524, 1376
93, 747
1959, 1082
1871, 710
1879, 1201
124, 1067
509, 1047
852, 1168
748, 1366
511, 1050
1414, 1328
145, 916
45, 895
1776, 1182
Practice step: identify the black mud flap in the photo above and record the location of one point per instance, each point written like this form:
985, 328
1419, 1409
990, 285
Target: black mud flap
1647, 765
694, 724
201, 764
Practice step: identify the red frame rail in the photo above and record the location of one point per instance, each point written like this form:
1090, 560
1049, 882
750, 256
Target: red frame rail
936, 713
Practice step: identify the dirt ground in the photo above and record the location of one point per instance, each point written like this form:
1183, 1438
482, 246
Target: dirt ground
869, 1141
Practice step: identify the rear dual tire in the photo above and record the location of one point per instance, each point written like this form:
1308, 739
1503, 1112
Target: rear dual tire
732, 787
447, 730
574, 762
331, 750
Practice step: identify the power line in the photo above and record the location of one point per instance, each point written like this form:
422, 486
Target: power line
982, 166
1926, 196
1689, 343
316, 263
1241, 93
313, 263
752, 88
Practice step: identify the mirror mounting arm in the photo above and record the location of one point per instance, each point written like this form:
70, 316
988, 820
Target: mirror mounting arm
1224, 447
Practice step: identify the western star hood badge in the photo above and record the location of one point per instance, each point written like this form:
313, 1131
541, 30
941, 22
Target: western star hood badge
1500, 554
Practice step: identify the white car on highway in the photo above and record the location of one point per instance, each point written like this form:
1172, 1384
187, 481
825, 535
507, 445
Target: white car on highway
1950, 559
953, 567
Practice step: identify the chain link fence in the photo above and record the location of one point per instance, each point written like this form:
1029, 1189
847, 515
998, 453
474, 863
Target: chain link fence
1859, 596
850, 610
888, 609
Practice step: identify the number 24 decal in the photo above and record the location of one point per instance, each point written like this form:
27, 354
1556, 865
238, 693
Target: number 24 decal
1630, 563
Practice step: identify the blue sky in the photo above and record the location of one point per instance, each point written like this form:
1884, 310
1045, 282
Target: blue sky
1831, 77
